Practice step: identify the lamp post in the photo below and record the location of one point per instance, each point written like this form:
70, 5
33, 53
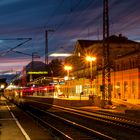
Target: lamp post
91, 59
68, 68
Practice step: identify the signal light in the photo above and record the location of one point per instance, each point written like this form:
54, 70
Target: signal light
45, 89
32, 89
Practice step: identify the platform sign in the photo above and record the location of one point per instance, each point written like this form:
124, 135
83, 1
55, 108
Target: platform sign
61, 82
37, 72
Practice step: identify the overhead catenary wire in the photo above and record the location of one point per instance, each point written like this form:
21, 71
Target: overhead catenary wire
72, 9
64, 19
11, 49
70, 14
90, 4
123, 15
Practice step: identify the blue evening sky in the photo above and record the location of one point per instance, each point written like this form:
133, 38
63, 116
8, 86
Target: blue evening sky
70, 19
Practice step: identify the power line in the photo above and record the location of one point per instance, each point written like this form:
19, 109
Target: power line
65, 17
54, 12
11, 49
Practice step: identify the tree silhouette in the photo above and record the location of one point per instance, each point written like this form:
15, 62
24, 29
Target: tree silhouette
56, 66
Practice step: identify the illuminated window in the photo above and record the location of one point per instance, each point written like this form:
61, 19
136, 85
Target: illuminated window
133, 88
118, 94
78, 89
118, 87
125, 88
79, 54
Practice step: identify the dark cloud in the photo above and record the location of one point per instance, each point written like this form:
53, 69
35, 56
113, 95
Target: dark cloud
70, 19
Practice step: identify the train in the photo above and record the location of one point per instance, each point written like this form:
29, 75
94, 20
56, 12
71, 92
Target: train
3, 84
13, 92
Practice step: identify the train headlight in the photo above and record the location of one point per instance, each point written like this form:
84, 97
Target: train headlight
45, 89
2, 86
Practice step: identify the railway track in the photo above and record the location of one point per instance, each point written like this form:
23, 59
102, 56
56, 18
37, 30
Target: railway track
90, 125
65, 128
60, 127
114, 118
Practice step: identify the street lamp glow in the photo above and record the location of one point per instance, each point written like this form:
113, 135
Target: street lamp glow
66, 78
89, 58
2, 86
67, 68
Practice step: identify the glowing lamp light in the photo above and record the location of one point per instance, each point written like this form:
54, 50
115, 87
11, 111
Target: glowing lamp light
32, 89
117, 87
66, 78
2, 86
45, 89
67, 67
57, 86
89, 58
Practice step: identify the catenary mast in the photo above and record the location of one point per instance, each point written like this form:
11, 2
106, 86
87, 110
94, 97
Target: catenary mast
106, 76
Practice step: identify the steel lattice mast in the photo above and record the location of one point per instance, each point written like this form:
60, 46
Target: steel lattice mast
46, 44
106, 77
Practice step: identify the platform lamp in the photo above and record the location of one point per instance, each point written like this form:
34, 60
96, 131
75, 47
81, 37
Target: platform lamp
91, 59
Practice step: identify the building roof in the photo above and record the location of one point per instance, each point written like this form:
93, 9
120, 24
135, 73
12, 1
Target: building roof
112, 39
36, 66
119, 39
87, 43
119, 46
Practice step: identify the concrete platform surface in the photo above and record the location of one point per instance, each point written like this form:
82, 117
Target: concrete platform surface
17, 125
10, 128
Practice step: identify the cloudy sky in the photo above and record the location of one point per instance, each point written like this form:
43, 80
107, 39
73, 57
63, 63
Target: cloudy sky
70, 19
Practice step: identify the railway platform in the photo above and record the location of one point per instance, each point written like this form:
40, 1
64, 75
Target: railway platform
9, 127
131, 107
23, 128
120, 106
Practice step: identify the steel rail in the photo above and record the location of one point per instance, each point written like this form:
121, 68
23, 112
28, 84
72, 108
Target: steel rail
74, 124
120, 121
54, 130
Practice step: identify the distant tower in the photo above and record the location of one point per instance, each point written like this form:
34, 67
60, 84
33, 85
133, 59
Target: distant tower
46, 44
46, 47
24, 76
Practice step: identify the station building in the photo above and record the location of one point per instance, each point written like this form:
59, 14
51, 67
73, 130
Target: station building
125, 68
32, 71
